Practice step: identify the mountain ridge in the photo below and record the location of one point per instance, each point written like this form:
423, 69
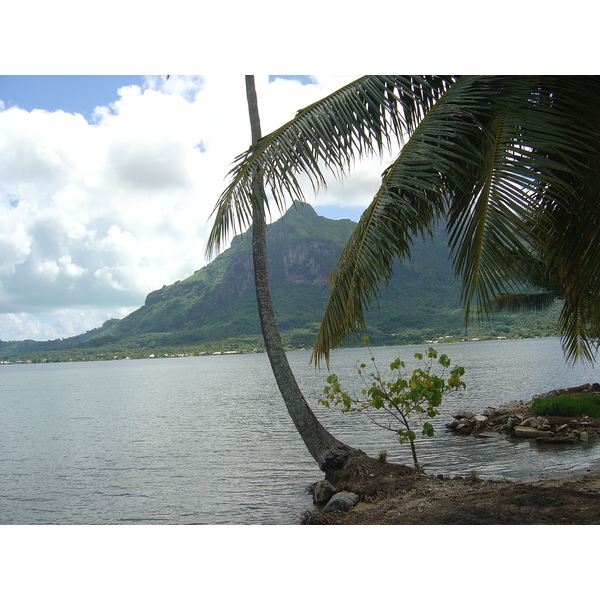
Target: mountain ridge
217, 302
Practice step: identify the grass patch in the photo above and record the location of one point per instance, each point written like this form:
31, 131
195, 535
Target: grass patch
474, 476
566, 405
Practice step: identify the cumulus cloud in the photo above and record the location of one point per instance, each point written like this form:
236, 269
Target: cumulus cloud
95, 215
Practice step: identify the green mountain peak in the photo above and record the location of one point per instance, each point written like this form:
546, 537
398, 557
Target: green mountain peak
217, 302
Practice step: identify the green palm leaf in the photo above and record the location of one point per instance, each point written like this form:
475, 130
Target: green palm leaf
510, 164
358, 120
487, 148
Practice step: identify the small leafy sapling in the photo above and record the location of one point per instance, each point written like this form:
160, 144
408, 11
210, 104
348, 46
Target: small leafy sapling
393, 404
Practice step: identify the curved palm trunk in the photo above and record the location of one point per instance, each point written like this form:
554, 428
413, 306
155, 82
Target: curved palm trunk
329, 452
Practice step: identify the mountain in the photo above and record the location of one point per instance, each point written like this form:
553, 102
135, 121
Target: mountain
215, 308
218, 301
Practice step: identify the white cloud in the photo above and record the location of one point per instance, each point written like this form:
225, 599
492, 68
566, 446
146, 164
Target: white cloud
61, 324
94, 216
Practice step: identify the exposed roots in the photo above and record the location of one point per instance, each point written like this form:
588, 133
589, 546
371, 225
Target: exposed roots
349, 463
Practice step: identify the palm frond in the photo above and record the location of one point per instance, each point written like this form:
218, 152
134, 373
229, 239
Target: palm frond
435, 176
486, 157
360, 119
511, 164
578, 344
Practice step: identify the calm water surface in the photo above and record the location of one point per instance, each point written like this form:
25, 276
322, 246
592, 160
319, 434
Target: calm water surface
207, 440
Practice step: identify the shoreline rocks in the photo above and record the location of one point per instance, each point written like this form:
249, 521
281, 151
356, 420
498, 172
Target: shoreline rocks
329, 499
515, 419
342, 501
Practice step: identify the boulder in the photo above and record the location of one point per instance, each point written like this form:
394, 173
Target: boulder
464, 426
463, 414
342, 501
511, 422
323, 491
531, 432
537, 422
513, 406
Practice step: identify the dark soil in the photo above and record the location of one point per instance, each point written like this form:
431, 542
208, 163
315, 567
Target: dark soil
426, 500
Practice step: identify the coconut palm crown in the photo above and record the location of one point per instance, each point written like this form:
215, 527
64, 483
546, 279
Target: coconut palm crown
510, 165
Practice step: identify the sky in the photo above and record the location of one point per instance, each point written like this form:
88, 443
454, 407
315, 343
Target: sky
108, 180
107, 184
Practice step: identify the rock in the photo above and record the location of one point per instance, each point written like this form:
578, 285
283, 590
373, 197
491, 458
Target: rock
464, 427
480, 420
323, 491
513, 406
341, 501
580, 389
489, 412
453, 424
584, 436
511, 422
463, 414
537, 422
531, 432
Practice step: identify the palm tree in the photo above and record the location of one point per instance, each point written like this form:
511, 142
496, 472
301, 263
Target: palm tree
510, 165
329, 452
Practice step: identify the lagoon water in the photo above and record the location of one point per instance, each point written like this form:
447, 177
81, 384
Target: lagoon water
207, 440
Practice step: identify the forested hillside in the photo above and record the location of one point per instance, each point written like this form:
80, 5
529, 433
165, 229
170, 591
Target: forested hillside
215, 308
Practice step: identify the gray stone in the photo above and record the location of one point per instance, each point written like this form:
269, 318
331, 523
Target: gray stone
323, 491
511, 422
531, 432
463, 414
453, 424
513, 406
341, 501
537, 422
464, 427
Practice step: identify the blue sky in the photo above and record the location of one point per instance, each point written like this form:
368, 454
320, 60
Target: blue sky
107, 185
70, 93
77, 93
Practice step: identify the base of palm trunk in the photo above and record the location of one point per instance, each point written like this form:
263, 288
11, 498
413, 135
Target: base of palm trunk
347, 463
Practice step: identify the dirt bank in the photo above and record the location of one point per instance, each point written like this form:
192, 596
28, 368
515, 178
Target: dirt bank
427, 500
